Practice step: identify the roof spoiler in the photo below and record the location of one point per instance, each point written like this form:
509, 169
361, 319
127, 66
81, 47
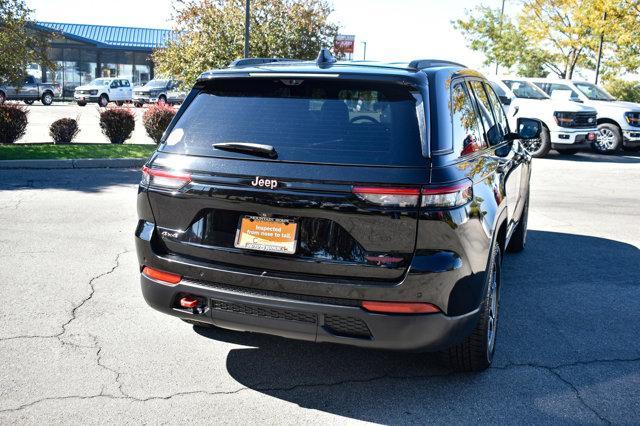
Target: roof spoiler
420, 64
244, 62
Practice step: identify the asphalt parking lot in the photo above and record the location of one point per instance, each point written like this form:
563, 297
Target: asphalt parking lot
41, 117
78, 343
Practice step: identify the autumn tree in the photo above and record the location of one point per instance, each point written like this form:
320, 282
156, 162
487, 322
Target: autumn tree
557, 36
210, 33
19, 45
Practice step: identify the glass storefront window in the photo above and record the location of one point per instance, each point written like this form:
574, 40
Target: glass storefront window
71, 71
88, 65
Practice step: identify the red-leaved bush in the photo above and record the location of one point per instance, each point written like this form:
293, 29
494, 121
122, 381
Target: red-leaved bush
156, 119
117, 124
64, 130
13, 122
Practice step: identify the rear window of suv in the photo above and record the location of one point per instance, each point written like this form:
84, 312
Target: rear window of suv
309, 120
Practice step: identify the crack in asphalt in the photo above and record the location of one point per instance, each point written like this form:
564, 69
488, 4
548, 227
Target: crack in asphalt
294, 387
553, 369
124, 396
72, 317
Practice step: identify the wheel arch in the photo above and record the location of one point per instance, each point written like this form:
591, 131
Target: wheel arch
606, 120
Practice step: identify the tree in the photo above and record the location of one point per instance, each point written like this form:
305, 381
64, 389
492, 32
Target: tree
623, 90
502, 42
558, 36
19, 45
210, 33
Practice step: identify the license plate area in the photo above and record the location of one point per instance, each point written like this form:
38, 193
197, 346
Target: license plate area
275, 235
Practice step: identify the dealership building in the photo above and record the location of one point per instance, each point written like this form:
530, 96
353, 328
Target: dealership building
84, 52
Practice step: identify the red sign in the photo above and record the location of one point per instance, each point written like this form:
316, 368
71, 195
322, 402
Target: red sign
344, 43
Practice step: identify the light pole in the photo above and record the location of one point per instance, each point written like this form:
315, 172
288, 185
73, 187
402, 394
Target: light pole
500, 32
247, 24
604, 18
364, 55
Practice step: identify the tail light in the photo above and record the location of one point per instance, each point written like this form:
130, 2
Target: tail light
164, 178
399, 307
401, 197
447, 196
163, 276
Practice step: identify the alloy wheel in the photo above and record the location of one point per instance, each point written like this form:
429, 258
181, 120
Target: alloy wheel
492, 320
533, 145
47, 99
606, 140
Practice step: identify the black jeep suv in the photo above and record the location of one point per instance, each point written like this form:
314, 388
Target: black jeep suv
364, 203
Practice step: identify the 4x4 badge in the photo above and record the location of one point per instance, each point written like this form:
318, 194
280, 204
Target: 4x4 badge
265, 183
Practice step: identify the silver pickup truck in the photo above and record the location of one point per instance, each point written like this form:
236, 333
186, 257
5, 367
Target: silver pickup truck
30, 91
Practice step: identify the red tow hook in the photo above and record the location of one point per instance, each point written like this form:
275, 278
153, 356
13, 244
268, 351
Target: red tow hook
189, 302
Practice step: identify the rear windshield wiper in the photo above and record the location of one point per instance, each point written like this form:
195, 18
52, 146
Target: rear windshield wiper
248, 148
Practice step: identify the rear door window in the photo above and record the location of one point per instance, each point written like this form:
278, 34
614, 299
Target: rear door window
467, 137
493, 130
306, 120
498, 112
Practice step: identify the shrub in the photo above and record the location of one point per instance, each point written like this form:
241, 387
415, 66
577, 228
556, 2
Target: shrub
13, 122
64, 130
156, 120
117, 124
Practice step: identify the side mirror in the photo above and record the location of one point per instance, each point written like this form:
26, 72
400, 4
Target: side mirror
505, 100
528, 128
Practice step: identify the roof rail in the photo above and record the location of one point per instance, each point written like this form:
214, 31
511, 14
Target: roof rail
430, 63
258, 61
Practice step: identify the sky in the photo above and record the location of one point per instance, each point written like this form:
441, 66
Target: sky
393, 29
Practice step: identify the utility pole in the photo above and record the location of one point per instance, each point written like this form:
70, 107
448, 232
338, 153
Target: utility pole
364, 55
247, 24
500, 31
604, 18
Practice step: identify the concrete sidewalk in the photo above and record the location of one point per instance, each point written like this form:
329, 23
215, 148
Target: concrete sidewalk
82, 163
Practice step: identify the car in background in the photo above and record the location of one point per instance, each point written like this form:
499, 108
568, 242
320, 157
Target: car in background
568, 126
31, 90
618, 122
104, 90
176, 97
155, 91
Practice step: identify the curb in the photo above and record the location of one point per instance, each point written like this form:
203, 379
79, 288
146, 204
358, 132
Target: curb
82, 163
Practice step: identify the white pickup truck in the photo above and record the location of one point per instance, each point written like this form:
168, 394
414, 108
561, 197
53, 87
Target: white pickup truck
567, 126
618, 122
103, 91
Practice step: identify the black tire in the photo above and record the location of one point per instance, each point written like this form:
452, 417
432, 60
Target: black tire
567, 151
119, 103
47, 98
609, 139
29, 102
539, 148
103, 101
137, 105
3, 98
80, 103
162, 100
475, 353
519, 238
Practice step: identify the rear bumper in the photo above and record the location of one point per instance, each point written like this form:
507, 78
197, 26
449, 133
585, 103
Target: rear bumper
269, 313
